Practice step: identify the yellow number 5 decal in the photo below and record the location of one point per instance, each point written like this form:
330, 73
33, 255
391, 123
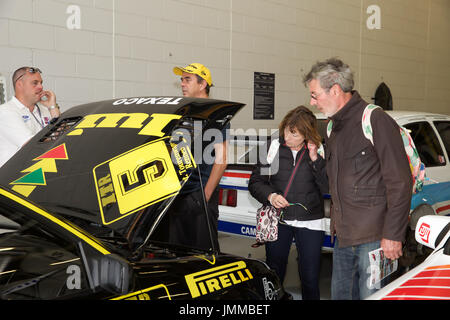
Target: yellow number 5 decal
135, 180
142, 175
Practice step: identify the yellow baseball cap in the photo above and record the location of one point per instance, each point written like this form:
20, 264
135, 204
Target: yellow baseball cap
195, 68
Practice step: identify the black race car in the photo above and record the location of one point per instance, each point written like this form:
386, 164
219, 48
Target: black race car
82, 203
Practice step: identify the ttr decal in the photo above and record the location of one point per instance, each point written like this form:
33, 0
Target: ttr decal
106, 191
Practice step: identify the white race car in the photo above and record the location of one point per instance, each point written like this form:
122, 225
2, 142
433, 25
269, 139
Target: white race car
431, 279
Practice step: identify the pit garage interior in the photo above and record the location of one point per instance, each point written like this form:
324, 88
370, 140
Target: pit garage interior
92, 50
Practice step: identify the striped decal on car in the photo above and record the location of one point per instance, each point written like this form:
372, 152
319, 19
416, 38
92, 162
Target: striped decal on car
433, 283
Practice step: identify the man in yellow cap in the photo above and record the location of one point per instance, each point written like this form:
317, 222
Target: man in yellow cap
188, 225
195, 80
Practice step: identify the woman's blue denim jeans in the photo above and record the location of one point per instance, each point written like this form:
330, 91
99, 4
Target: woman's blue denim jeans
351, 272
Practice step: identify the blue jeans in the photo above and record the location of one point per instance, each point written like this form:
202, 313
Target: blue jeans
309, 245
351, 272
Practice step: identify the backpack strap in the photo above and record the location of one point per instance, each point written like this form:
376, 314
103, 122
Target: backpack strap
415, 164
365, 121
329, 128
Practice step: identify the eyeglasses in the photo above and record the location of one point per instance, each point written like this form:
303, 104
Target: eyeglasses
30, 70
299, 204
293, 204
315, 96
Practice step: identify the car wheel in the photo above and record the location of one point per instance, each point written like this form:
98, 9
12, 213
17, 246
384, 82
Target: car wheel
413, 252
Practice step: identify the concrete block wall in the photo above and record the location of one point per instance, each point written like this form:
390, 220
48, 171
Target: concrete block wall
129, 47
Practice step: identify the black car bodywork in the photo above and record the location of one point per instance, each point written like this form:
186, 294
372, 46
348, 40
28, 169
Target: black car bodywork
81, 201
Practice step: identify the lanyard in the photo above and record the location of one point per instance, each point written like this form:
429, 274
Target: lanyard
41, 122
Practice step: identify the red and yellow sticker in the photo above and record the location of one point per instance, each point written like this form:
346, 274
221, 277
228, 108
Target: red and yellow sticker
35, 174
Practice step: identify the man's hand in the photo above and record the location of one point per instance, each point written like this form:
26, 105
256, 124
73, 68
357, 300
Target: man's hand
50, 98
49, 102
392, 249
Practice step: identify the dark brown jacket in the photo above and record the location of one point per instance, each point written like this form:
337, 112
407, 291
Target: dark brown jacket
370, 186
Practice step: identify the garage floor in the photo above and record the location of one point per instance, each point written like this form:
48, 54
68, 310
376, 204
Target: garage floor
241, 246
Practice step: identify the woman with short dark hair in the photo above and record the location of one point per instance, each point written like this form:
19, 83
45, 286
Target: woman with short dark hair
302, 217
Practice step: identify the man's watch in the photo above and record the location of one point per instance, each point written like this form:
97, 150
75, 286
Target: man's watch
53, 107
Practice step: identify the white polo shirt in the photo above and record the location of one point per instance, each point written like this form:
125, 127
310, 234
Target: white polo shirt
18, 125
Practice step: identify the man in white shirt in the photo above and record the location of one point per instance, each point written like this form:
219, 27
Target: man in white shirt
29, 111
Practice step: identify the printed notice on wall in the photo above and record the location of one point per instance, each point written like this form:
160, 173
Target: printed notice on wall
264, 96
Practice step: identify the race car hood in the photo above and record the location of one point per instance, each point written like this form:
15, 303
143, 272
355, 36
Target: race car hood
116, 164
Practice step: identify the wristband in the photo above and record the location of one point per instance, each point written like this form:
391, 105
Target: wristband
270, 198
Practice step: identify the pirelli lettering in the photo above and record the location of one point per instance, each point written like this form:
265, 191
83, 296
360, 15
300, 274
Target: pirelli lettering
218, 278
154, 293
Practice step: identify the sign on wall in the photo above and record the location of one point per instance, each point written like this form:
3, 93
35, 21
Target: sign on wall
263, 96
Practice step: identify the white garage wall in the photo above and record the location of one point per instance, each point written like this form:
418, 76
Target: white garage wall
129, 47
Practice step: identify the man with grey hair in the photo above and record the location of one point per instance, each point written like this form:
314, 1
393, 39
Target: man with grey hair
30, 110
370, 184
